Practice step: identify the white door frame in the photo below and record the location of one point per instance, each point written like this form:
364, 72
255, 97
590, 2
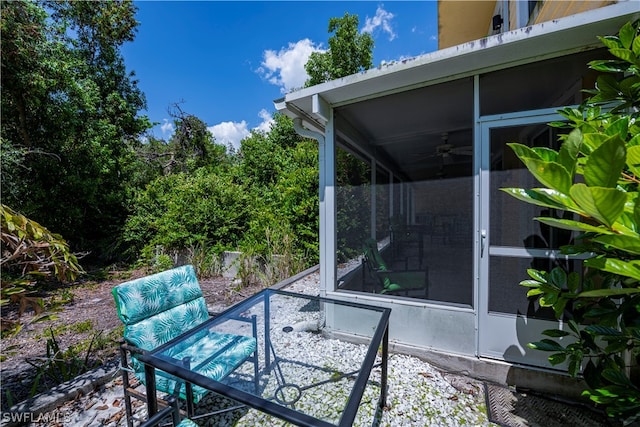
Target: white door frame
504, 336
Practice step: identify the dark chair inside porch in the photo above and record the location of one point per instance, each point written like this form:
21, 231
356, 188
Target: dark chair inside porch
405, 282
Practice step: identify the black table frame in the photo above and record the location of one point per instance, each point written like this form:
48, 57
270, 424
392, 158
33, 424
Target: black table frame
379, 339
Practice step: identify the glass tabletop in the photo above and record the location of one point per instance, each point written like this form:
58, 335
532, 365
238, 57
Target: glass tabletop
315, 356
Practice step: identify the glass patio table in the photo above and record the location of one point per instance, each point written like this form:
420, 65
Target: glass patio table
316, 358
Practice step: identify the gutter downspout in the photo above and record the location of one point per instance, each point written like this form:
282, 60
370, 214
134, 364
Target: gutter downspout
302, 131
320, 137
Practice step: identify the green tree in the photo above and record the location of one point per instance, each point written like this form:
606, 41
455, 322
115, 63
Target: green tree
192, 146
349, 52
69, 110
602, 306
280, 171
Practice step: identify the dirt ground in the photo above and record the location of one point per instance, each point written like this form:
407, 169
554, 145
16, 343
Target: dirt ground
91, 310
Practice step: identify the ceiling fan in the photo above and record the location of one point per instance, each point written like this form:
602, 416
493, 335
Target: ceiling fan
446, 149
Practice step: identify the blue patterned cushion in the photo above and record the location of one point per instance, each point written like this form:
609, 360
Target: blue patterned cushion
147, 296
213, 355
187, 423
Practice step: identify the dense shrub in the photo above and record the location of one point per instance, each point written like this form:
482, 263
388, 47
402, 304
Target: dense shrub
179, 211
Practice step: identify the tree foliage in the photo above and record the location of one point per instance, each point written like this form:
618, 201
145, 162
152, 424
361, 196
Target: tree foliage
69, 109
76, 157
265, 193
349, 52
602, 308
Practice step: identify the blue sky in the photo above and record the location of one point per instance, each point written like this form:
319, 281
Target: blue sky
225, 62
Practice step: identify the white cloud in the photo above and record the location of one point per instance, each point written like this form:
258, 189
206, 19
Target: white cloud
167, 128
267, 121
285, 68
381, 20
229, 133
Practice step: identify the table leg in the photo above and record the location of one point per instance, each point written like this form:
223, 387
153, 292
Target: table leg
150, 385
267, 334
384, 371
188, 388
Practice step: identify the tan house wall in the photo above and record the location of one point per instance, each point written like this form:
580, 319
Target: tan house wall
463, 21
552, 9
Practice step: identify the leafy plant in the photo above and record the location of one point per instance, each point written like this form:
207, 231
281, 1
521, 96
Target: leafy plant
61, 365
30, 251
601, 308
207, 262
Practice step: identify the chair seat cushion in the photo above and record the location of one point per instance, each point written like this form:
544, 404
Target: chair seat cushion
402, 280
214, 355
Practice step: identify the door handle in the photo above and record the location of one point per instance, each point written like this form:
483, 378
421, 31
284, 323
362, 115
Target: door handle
483, 238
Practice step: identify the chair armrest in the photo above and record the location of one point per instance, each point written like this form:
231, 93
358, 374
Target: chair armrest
132, 348
422, 270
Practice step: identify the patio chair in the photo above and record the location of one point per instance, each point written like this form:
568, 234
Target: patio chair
160, 307
387, 281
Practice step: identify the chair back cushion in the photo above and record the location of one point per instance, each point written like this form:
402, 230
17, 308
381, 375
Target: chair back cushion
373, 256
159, 307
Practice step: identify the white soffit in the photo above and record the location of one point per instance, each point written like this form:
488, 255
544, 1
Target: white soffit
528, 44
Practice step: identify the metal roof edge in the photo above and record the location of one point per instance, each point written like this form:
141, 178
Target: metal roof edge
585, 23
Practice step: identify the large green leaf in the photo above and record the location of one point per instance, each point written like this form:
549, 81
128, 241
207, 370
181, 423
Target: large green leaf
611, 42
555, 333
546, 153
599, 293
546, 345
603, 330
625, 243
545, 197
617, 377
616, 266
591, 141
550, 174
523, 151
608, 65
569, 151
603, 204
568, 224
556, 359
626, 223
633, 160
619, 126
625, 55
626, 35
605, 164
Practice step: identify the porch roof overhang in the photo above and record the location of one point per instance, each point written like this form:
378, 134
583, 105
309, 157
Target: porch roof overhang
534, 43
